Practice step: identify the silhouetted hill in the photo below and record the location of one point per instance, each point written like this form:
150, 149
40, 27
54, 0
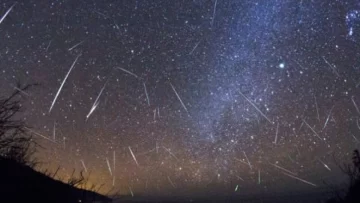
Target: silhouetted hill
316, 196
21, 183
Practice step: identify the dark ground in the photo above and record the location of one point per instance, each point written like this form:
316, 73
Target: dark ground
20, 183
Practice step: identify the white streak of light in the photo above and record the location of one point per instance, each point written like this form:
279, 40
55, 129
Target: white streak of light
7, 13
62, 84
73, 47
326, 166
96, 103
354, 137
108, 164
247, 160
54, 131
171, 182
196, 45
177, 95
133, 156
356, 106
240, 178
317, 108
146, 93
47, 48
91, 111
312, 129
281, 168
168, 150
331, 66
25, 93
276, 134
244, 162
302, 180
214, 12
301, 125
83, 164
40, 135
114, 161
129, 72
328, 117
132, 194
256, 108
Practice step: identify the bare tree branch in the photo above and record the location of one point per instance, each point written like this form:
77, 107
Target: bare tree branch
15, 142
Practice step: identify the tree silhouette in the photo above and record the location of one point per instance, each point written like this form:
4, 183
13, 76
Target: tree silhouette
352, 171
16, 142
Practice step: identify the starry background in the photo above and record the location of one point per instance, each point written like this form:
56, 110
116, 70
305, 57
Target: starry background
188, 97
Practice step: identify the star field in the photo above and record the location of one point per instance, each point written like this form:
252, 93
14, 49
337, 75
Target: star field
188, 97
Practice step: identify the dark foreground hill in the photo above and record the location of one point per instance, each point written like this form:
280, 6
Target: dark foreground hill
21, 183
308, 197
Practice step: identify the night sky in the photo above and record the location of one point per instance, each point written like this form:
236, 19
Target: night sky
188, 97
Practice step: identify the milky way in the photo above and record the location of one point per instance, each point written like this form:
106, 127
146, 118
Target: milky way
188, 97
